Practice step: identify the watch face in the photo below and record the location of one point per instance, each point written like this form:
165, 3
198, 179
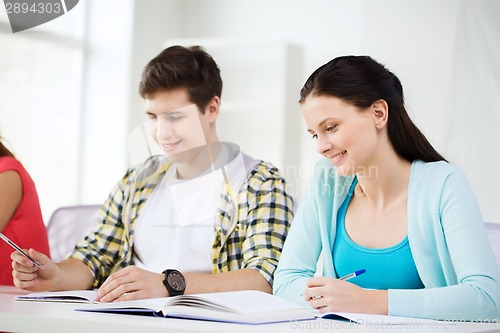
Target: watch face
176, 281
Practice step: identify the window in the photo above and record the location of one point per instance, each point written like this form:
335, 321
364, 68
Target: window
40, 93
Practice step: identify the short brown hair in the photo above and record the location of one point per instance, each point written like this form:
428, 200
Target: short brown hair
177, 67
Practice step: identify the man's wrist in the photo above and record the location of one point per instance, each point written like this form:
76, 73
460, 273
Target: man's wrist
174, 282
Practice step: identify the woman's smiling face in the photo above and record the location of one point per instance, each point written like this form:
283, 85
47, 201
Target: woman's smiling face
345, 134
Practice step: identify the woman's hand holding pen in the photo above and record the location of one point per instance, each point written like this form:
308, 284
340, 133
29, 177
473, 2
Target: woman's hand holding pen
335, 295
28, 276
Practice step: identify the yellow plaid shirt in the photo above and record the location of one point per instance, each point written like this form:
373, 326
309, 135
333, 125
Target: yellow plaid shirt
251, 237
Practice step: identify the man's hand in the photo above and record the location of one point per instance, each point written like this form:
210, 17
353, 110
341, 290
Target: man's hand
132, 283
28, 276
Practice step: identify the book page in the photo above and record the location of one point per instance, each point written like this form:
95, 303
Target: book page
244, 301
198, 302
248, 307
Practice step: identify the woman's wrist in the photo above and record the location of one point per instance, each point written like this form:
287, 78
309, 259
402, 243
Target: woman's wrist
378, 302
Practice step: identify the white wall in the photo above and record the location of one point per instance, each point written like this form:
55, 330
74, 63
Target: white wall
472, 114
106, 82
418, 40
154, 21
445, 53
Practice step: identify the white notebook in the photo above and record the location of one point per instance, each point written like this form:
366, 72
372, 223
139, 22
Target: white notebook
70, 296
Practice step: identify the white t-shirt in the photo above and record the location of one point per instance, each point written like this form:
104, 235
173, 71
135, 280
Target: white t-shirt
176, 227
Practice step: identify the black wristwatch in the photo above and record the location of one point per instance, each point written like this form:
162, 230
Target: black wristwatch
174, 282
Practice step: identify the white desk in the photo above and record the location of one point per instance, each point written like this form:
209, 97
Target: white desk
18, 316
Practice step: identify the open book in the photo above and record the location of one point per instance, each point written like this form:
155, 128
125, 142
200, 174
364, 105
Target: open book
244, 307
70, 296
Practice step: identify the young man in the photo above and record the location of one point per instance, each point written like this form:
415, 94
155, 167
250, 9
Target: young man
203, 217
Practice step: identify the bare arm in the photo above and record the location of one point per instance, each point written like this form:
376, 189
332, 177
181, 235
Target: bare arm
242, 279
135, 283
11, 193
73, 274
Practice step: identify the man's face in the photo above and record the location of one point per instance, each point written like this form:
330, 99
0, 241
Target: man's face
176, 124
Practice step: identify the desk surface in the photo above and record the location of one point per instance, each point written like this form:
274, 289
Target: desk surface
54, 317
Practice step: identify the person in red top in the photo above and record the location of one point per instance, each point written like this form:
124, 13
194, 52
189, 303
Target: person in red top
20, 215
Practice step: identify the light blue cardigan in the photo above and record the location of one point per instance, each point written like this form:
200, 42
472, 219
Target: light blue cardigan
446, 234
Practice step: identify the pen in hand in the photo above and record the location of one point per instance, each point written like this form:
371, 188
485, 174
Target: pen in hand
18, 249
345, 278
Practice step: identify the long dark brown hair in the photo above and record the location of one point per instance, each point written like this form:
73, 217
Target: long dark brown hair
4, 151
361, 81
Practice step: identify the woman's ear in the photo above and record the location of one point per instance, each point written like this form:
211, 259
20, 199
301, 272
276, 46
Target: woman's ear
380, 111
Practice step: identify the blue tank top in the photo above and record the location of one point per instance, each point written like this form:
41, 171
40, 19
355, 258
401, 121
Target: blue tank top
386, 268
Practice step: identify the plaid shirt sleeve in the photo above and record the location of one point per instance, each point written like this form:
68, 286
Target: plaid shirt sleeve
108, 247
104, 249
270, 212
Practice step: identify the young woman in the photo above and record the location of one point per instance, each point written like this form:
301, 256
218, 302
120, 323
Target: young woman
20, 216
385, 201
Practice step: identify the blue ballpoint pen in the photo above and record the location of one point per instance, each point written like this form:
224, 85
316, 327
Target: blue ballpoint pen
346, 277
354, 274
